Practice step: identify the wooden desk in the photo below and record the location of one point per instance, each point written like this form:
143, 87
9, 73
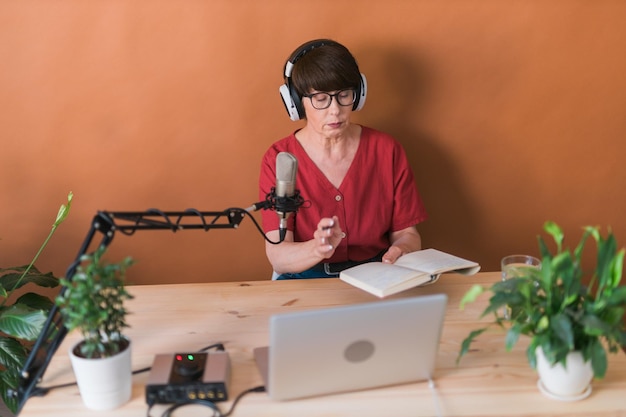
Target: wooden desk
173, 318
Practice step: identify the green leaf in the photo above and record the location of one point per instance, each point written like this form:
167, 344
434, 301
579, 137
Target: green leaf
18, 269
542, 324
617, 297
11, 280
8, 380
581, 245
555, 231
599, 361
12, 353
503, 299
512, 336
620, 337
471, 295
606, 251
562, 327
562, 262
12, 358
64, 210
594, 326
543, 250
593, 231
531, 352
465, 345
35, 301
22, 322
616, 268
546, 271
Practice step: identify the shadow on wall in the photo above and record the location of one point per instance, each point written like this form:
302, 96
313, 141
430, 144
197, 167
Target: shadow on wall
400, 90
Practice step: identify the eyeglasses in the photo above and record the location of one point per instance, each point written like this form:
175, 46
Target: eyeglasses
321, 101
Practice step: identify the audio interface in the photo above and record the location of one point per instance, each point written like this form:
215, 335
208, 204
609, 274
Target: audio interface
181, 377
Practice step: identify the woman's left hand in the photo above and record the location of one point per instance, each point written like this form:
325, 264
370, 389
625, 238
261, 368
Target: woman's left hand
402, 242
392, 254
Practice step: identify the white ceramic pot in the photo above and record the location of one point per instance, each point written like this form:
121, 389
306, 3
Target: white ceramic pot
104, 384
569, 383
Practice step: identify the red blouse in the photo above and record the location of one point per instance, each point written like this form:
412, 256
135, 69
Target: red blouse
377, 196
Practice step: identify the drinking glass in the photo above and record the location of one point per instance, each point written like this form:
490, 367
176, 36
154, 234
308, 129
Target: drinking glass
513, 266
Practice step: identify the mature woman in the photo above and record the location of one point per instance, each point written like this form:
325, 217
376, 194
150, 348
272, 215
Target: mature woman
362, 202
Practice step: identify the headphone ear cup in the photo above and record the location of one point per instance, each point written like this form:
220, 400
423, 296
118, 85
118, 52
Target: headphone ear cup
290, 105
362, 94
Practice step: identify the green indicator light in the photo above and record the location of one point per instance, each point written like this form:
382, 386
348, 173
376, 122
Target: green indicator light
190, 357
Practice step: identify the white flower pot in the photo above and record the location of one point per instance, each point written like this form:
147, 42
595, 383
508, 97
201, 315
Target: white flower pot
569, 383
104, 384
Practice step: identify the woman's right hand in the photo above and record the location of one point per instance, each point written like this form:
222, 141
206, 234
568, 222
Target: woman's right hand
327, 236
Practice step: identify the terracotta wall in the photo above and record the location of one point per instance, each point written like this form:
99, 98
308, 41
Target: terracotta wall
512, 113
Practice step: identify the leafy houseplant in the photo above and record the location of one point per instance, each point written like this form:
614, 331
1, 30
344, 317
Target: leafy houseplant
22, 321
561, 307
92, 302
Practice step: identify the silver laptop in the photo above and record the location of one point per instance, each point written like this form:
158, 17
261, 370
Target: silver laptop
351, 347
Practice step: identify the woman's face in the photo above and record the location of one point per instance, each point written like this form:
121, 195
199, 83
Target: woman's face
330, 122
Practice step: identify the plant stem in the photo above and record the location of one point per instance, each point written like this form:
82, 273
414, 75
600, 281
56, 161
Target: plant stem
63, 212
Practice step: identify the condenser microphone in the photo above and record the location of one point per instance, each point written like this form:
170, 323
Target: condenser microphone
284, 198
286, 169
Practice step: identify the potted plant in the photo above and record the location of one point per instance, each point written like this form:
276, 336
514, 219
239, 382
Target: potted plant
22, 318
572, 315
92, 302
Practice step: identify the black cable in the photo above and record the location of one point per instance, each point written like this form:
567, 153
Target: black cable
256, 224
217, 346
216, 411
260, 388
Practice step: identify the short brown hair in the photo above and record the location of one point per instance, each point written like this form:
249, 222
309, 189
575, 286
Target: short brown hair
328, 67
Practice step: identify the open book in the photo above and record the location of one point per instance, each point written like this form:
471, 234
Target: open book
410, 270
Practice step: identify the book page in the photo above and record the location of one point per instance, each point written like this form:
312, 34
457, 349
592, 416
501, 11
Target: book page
434, 262
382, 279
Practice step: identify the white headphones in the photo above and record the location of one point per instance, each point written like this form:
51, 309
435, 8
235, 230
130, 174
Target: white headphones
289, 95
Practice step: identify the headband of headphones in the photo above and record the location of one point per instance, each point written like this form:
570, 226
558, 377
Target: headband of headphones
289, 95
